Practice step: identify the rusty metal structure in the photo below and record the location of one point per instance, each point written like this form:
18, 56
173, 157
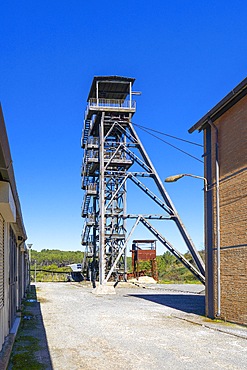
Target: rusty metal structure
144, 251
114, 155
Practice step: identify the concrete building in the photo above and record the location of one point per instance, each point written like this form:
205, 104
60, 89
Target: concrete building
225, 163
14, 262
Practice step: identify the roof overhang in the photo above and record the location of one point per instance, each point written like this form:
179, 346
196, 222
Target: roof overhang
226, 103
111, 87
7, 175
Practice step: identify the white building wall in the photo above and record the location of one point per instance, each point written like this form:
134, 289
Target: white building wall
10, 219
4, 311
2, 256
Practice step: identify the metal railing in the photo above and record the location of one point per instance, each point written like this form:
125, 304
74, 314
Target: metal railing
90, 218
93, 140
91, 154
92, 186
112, 103
119, 155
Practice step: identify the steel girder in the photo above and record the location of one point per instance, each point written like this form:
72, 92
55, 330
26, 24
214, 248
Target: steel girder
113, 154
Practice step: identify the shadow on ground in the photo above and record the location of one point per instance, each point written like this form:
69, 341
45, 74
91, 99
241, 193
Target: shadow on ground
187, 303
30, 350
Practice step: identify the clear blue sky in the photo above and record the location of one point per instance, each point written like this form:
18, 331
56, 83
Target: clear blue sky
185, 56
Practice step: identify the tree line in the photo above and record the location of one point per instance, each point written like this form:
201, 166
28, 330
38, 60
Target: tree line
47, 257
170, 270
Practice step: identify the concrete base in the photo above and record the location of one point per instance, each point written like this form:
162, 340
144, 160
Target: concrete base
144, 280
104, 289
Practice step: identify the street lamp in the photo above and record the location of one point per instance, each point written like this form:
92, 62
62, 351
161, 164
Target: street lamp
177, 177
29, 247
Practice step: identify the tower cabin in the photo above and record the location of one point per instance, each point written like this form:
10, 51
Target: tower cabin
109, 94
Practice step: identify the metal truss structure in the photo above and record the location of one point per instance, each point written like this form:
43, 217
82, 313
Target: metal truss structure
113, 155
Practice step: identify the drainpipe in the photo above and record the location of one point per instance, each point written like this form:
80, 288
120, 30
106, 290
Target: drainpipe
217, 175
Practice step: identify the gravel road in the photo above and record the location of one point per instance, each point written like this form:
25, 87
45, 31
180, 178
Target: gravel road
137, 328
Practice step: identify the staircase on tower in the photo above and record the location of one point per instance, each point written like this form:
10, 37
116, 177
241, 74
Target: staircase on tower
113, 156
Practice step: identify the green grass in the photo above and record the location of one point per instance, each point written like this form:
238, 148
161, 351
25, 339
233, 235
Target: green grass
26, 344
25, 361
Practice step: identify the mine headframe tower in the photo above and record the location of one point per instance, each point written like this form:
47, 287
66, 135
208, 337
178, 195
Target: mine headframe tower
113, 153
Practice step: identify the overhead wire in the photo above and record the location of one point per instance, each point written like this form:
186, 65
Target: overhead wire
166, 142
162, 133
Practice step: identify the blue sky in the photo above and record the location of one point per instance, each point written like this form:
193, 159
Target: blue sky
185, 56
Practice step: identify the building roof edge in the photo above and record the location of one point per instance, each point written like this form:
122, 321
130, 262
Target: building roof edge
227, 102
9, 172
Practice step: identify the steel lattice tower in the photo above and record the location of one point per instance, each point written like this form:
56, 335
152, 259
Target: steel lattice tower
113, 154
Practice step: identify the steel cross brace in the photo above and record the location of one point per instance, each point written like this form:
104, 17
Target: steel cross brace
122, 249
175, 252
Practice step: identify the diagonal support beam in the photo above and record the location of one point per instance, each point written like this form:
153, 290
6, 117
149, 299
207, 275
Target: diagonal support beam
118, 189
175, 252
137, 160
153, 196
113, 156
122, 250
196, 256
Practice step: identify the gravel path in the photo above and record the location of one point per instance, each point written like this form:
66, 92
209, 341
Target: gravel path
137, 328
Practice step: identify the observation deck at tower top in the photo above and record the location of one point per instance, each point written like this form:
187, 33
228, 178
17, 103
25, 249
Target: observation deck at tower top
109, 93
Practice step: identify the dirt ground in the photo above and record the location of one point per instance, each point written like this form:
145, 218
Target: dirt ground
139, 327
